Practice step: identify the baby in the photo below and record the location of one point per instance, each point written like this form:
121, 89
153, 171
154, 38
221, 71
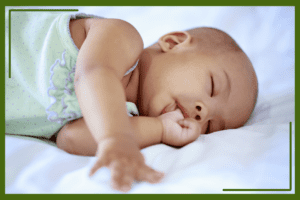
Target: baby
187, 84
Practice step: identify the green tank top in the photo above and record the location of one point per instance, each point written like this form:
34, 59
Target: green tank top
40, 96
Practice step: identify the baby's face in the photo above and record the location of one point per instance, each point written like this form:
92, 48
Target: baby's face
215, 90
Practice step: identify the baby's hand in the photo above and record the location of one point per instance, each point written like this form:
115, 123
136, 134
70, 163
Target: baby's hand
122, 156
178, 131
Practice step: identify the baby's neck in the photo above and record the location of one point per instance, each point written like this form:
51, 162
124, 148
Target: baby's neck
132, 87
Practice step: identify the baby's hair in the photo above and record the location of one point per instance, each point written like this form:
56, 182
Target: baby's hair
231, 42
215, 37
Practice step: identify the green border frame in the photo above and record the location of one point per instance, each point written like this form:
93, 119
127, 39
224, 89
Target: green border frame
159, 3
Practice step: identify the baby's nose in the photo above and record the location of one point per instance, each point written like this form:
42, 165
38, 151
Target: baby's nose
200, 112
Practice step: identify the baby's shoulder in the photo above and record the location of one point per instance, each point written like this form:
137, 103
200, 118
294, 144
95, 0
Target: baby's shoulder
80, 29
107, 42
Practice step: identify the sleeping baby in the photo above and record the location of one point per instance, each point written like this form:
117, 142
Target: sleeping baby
87, 83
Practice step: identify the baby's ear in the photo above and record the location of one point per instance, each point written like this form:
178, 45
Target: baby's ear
171, 40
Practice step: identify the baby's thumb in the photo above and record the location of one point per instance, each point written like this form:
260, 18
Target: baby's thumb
173, 115
177, 114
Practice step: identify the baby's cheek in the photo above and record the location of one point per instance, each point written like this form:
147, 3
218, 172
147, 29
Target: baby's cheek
197, 126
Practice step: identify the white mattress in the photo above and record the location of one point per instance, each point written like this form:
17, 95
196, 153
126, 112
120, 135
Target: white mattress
256, 156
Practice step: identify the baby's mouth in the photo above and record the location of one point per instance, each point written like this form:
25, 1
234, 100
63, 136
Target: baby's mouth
169, 108
185, 115
173, 107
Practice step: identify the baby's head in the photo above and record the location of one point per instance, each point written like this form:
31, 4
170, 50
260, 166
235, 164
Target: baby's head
204, 73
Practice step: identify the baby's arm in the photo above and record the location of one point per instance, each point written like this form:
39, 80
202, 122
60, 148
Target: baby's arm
109, 50
76, 138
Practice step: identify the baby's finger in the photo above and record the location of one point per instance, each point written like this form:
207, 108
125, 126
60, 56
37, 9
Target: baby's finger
185, 123
122, 183
189, 123
121, 176
99, 163
191, 127
149, 175
173, 115
177, 115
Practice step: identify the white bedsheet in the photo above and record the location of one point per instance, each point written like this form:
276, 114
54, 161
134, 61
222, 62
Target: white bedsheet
255, 156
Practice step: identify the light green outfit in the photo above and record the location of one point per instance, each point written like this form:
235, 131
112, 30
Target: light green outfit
40, 96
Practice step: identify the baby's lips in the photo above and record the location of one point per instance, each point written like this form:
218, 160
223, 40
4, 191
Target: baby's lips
185, 115
174, 115
169, 108
163, 111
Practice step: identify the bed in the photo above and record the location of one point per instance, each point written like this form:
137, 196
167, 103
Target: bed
256, 158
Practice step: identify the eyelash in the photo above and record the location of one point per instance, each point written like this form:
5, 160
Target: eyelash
212, 86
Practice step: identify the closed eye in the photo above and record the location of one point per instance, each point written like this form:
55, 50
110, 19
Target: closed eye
212, 87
